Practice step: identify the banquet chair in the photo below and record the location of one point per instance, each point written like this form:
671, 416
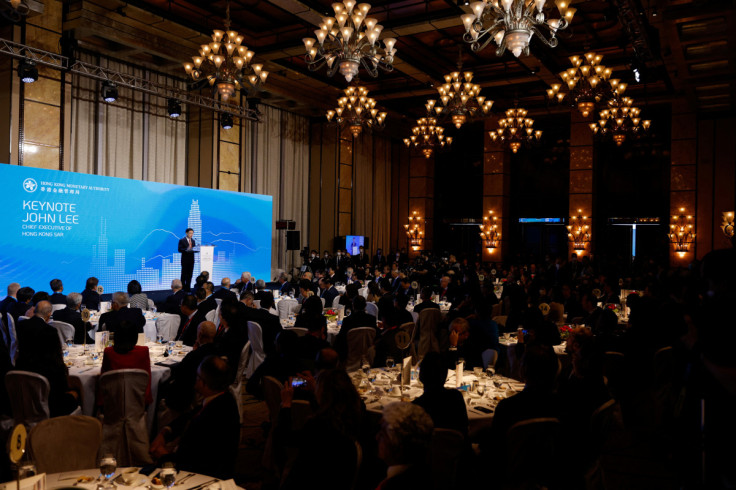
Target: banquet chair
323, 302
151, 305
300, 331
257, 303
363, 292
272, 394
371, 309
57, 307
614, 370
532, 440
236, 389
68, 443
218, 301
445, 453
295, 307
497, 310
556, 312
500, 320
65, 330
336, 301
216, 321
489, 357
255, 336
411, 329
29, 396
415, 316
360, 345
211, 315
167, 326
284, 308
429, 320
301, 410
124, 429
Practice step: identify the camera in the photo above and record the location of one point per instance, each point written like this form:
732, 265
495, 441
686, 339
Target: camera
298, 382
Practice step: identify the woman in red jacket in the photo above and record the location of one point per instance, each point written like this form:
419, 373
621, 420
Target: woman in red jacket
126, 355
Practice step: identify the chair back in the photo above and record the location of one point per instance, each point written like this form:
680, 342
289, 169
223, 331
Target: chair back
65, 330
415, 316
57, 307
614, 369
13, 344
411, 329
371, 309
218, 301
429, 320
211, 315
605, 422
167, 326
323, 302
284, 307
363, 292
445, 453
272, 394
489, 357
255, 337
532, 440
29, 396
300, 331
68, 443
217, 317
124, 429
556, 312
501, 320
236, 389
360, 345
663, 366
257, 303
336, 301
497, 310
151, 304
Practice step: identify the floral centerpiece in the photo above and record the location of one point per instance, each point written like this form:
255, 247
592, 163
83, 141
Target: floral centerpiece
331, 315
565, 331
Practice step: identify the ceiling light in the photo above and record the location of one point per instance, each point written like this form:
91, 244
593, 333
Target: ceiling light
427, 135
620, 120
512, 23
27, 71
109, 92
356, 110
516, 129
173, 108
587, 81
226, 121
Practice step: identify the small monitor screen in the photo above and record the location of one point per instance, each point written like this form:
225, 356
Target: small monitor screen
353, 242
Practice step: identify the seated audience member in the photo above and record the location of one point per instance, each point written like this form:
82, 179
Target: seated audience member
308, 345
205, 299
400, 303
539, 330
311, 308
71, 315
224, 291
232, 334
445, 406
328, 435
403, 444
426, 296
38, 297
246, 300
466, 343
259, 288
405, 288
280, 364
137, 298
180, 390
351, 291
386, 301
191, 317
206, 438
120, 312
23, 305
173, 301
268, 304
328, 292
90, 296
374, 291
358, 318
124, 354
269, 323
57, 289
245, 283
285, 286
305, 290
39, 351
601, 321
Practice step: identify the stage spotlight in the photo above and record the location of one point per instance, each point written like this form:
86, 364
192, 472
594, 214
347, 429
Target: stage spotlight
27, 71
174, 108
109, 92
226, 121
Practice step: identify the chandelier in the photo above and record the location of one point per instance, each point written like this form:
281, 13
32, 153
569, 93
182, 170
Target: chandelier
225, 62
356, 110
512, 23
427, 134
415, 231
727, 224
619, 120
578, 231
489, 232
461, 98
516, 128
587, 82
681, 233
348, 40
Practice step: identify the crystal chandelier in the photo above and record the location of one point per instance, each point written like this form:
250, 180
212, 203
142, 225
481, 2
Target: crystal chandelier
427, 134
348, 40
578, 231
516, 128
415, 231
461, 98
512, 23
587, 82
225, 63
620, 119
489, 232
356, 110
682, 232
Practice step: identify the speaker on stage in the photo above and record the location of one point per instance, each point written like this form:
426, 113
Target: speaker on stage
292, 240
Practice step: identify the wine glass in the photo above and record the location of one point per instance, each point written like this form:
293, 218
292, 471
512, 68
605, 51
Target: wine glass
481, 389
490, 371
168, 475
69, 342
108, 465
365, 366
478, 371
390, 363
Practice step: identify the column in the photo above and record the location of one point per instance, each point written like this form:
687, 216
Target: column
421, 198
345, 185
496, 190
581, 175
683, 171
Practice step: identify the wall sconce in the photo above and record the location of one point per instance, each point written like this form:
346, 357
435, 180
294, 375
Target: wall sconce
489, 232
415, 231
681, 233
578, 231
727, 224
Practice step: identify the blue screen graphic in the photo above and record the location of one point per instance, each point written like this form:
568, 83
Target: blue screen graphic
353, 244
72, 226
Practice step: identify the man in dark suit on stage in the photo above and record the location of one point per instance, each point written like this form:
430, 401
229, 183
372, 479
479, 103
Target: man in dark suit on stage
186, 249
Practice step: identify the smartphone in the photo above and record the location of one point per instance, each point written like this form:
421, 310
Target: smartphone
484, 409
297, 382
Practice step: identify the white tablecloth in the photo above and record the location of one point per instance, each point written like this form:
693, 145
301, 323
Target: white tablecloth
149, 329
69, 479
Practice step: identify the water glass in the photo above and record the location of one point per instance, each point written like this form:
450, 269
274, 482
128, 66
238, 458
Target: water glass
481, 389
108, 465
478, 371
26, 470
159, 339
69, 342
390, 363
168, 475
170, 347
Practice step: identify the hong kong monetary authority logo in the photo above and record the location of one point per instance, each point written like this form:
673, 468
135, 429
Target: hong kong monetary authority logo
30, 185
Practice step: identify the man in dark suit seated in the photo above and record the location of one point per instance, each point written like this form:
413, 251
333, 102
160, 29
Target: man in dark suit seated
120, 312
73, 317
270, 323
327, 291
179, 392
57, 297
21, 307
205, 298
232, 334
386, 302
446, 291
285, 286
358, 318
173, 301
308, 346
39, 351
445, 406
9, 301
224, 291
191, 317
426, 297
207, 437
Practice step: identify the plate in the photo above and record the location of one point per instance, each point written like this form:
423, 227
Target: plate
131, 479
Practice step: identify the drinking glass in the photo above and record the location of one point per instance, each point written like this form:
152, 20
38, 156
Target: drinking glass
365, 365
159, 339
478, 371
168, 475
69, 342
65, 351
490, 371
26, 470
481, 389
108, 465
390, 363
170, 347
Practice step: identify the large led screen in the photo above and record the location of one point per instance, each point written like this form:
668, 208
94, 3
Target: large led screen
72, 226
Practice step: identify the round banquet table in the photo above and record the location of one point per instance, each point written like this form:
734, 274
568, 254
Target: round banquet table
133, 479
84, 375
